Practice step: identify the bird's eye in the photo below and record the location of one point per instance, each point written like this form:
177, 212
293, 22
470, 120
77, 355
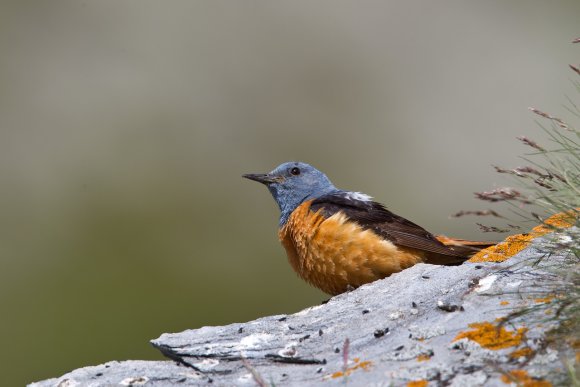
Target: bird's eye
295, 171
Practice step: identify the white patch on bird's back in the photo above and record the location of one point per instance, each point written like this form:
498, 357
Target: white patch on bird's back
358, 196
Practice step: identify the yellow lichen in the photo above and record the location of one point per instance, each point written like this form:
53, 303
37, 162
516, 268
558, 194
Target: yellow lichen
543, 300
492, 337
423, 357
504, 303
502, 251
561, 220
418, 383
521, 378
364, 365
516, 243
522, 352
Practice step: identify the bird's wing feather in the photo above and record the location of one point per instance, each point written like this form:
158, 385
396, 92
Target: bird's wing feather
374, 216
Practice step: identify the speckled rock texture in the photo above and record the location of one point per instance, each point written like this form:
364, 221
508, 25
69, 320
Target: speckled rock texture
426, 326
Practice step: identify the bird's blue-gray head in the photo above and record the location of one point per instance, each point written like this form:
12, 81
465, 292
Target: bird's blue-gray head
293, 183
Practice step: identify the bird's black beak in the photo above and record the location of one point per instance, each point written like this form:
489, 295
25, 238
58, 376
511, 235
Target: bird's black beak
263, 178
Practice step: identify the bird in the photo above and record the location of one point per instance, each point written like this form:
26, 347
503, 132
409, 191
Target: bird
338, 240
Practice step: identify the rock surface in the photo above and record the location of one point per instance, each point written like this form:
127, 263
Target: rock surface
435, 325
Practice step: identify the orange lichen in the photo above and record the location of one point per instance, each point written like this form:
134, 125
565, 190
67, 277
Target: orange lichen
543, 300
504, 303
492, 337
522, 352
516, 243
423, 357
521, 378
502, 251
561, 220
364, 365
418, 383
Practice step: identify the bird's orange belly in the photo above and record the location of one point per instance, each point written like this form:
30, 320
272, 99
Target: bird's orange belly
334, 254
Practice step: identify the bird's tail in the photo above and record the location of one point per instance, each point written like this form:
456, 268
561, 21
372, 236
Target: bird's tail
460, 250
469, 247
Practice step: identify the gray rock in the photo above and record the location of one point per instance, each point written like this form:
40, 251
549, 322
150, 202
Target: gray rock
469, 380
400, 329
130, 373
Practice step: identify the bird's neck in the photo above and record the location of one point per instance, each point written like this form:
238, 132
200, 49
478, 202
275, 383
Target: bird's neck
289, 204
285, 215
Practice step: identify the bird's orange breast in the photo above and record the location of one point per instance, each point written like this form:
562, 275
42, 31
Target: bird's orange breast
334, 253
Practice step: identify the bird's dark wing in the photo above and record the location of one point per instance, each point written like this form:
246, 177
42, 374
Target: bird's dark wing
374, 216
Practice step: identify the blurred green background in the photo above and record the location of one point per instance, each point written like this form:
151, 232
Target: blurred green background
125, 127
